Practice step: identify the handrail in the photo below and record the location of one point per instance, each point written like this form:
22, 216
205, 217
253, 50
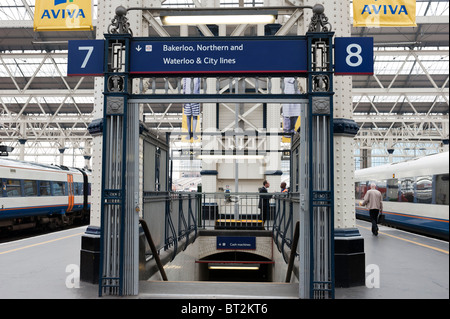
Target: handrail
214, 211
293, 252
153, 248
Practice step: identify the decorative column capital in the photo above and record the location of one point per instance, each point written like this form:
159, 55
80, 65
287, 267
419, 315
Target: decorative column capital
319, 21
119, 24
345, 127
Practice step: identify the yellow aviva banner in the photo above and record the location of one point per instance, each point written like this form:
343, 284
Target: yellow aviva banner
384, 13
63, 15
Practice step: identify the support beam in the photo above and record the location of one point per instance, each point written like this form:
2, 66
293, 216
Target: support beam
400, 91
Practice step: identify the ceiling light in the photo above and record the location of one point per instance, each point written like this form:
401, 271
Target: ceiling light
217, 17
234, 267
231, 157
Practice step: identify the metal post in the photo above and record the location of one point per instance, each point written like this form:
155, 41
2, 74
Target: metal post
320, 157
131, 218
120, 172
316, 160
305, 233
236, 161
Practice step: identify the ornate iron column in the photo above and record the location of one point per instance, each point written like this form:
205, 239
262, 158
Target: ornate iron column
119, 244
316, 162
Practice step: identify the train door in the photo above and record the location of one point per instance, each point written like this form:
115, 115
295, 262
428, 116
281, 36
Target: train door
71, 193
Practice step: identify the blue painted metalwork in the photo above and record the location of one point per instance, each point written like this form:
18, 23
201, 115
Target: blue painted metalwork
170, 229
282, 228
320, 85
113, 199
178, 56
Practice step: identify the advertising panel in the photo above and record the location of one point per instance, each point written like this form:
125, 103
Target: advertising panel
384, 13
63, 15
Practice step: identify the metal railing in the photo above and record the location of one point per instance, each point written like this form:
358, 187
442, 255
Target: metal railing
232, 211
172, 217
285, 217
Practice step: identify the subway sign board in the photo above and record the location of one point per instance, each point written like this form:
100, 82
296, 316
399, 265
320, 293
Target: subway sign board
86, 58
353, 56
245, 56
233, 56
233, 242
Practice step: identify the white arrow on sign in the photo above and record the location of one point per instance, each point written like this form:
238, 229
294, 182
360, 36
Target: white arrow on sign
138, 49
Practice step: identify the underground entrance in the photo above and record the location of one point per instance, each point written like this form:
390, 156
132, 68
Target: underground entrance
235, 266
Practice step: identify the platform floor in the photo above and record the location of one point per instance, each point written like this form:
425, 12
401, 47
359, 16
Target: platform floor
38, 267
217, 290
411, 267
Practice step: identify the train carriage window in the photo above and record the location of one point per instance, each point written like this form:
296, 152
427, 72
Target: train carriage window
392, 190
423, 189
406, 190
357, 190
59, 188
75, 189
80, 188
13, 188
30, 188
381, 186
3, 189
44, 188
361, 189
442, 189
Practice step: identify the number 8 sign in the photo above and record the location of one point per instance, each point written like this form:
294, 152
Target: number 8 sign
353, 56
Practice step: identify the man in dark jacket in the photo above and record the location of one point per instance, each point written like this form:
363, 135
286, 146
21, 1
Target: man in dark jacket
264, 201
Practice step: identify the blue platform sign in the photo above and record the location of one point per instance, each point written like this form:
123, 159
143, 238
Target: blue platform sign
86, 57
218, 56
353, 56
230, 242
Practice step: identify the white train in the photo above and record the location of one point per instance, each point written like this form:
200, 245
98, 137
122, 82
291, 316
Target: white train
415, 193
36, 196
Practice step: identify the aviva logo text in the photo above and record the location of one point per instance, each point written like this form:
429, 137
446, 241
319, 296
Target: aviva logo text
60, 15
384, 13
71, 11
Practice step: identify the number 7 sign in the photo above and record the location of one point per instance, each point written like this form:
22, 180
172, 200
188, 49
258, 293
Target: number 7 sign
353, 56
85, 57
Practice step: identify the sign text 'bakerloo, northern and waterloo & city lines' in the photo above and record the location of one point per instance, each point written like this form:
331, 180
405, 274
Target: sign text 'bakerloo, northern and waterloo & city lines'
201, 48
218, 56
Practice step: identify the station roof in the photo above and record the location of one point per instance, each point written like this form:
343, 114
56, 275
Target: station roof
411, 77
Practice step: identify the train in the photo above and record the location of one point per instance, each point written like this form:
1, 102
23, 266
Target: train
42, 196
415, 194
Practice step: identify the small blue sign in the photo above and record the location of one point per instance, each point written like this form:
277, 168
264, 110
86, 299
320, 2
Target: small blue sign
227, 242
224, 56
86, 57
353, 56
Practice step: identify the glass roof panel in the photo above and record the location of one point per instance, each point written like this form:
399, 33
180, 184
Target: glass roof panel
14, 10
84, 99
3, 72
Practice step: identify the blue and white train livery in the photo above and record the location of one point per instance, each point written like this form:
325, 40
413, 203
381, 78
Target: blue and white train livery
36, 195
415, 193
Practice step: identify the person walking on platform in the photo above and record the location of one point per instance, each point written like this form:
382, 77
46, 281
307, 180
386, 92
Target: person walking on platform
374, 201
264, 201
283, 188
